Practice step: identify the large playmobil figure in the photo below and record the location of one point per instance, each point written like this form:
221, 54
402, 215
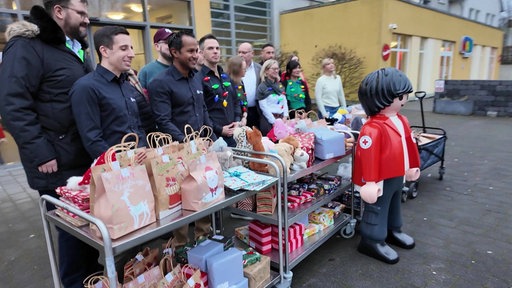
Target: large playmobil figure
386, 153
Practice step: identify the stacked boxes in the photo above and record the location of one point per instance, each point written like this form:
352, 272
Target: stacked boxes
295, 236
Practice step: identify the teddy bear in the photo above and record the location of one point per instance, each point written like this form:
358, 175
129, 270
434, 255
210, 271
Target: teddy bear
300, 160
254, 137
285, 150
224, 154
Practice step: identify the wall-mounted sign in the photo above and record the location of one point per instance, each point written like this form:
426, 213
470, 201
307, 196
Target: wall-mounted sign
439, 86
466, 46
386, 51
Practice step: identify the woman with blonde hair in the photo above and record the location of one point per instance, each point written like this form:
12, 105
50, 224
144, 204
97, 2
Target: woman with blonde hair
236, 70
271, 96
329, 93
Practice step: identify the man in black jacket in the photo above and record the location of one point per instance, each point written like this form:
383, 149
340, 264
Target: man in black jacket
41, 61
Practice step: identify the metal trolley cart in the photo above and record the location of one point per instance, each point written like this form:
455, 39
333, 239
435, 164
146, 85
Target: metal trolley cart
161, 227
431, 144
344, 224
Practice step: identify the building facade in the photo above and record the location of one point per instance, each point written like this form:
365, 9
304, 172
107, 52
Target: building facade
426, 43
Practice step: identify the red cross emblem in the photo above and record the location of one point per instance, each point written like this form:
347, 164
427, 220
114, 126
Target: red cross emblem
365, 142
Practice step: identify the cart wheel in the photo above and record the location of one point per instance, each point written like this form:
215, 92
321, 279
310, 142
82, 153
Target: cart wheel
347, 232
413, 190
441, 173
405, 192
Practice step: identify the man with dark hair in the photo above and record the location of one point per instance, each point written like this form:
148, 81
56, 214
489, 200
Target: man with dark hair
268, 51
42, 59
177, 99
103, 101
220, 98
150, 70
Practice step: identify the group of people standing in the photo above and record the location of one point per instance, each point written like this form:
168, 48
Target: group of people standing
63, 114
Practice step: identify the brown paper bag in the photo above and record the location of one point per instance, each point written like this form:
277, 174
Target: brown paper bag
204, 184
126, 203
258, 273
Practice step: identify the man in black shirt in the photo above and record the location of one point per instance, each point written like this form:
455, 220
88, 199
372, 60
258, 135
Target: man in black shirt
220, 98
177, 99
103, 101
176, 96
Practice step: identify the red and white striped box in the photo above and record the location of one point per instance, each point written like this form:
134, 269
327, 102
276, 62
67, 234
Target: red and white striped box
293, 244
296, 230
260, 236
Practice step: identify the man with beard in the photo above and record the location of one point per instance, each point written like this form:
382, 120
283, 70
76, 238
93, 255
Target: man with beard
41, 60
177, 99
149, 71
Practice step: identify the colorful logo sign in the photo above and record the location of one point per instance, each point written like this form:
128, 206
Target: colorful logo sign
466, 47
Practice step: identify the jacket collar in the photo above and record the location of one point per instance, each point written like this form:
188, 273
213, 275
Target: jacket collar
49, 31
387, 121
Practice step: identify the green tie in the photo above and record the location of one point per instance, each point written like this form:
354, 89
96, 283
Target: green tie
80, 52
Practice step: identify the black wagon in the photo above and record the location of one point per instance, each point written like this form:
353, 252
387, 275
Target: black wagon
431, 142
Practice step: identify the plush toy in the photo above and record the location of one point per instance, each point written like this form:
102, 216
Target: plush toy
254, 137
301, 126
386, 156
300, 160
268, 144
285, 150
279, 130
218, 146
224, 154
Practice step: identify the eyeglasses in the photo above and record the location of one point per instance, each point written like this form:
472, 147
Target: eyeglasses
274, 68
81, 13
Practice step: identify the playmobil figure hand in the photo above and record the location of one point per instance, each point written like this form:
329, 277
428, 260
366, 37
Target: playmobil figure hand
412, 174
370, 192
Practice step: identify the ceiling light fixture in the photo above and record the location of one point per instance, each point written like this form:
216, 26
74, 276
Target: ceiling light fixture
115, 15
136, 7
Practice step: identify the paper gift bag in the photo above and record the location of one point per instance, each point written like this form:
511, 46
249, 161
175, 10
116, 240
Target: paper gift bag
168, 174
148, 279
204, 184
123, 199
172, 275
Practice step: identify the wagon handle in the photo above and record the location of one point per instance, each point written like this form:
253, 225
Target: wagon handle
420, 95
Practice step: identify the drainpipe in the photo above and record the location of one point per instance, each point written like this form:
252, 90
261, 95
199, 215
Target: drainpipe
275, 32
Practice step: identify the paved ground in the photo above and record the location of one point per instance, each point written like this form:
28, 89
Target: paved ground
462, 225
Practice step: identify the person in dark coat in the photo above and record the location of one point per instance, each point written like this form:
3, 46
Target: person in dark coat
42, 59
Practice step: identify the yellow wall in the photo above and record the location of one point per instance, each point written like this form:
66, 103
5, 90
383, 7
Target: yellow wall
363, 27
202, 18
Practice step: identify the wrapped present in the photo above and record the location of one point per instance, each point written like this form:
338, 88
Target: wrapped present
242, 284
318, 190
293, 243
258, 274
336, 207
260, 236
266, 201
296, 230
333, 179
242, 233
322, 216
239, 177
250, 257
227, 242
292, 205
328, 143
197, 256
247, 204
312, 229
327, 186
307, 143
225, 269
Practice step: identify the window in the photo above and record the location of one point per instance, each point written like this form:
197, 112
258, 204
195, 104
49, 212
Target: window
446, 60
471, 13
399, 52
237, 21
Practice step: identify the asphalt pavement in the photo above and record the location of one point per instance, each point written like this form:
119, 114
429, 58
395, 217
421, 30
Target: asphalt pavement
462, 225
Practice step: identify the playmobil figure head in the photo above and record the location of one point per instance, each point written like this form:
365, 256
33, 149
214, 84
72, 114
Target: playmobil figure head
379, 89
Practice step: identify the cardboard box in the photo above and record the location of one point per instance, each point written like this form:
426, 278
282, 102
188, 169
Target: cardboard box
259, 273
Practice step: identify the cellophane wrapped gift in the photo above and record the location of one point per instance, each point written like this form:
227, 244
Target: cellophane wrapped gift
307, 143
242, 233
322, 216
239, 177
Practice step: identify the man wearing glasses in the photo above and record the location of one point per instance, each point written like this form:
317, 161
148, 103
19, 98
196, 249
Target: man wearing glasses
41, 60
163, 61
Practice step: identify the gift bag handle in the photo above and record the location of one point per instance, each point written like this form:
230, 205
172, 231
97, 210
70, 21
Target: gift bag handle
159, 139
126, 146
131, 134
315, 115
91, 280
